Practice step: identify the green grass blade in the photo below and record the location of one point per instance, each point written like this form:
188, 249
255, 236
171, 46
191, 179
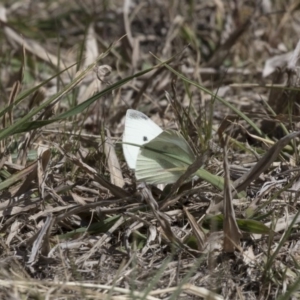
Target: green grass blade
232, 107
23, 125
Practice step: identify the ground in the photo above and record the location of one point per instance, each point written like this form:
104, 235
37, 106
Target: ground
221, 80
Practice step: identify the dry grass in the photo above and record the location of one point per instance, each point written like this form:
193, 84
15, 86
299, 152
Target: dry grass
75, 224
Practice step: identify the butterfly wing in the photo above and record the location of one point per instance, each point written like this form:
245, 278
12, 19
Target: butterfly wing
164, 159
139, 129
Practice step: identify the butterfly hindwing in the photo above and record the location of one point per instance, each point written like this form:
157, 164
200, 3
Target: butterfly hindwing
164, 159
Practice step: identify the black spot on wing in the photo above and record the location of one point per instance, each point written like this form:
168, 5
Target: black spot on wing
145, 139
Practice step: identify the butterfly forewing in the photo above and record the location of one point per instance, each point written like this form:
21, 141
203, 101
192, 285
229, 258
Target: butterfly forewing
139, 129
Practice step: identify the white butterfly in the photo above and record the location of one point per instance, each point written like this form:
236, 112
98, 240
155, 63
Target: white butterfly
163, 156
